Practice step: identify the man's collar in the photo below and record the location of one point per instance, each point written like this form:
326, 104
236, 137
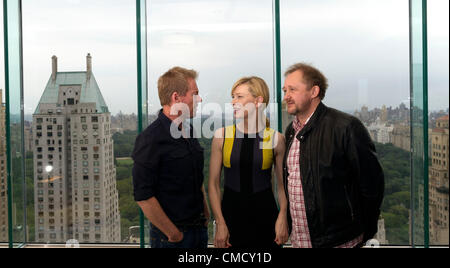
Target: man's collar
298, 125
310, 123
164, 119
167, 123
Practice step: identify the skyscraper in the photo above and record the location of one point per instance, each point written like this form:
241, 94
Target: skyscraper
74, 174
3, 186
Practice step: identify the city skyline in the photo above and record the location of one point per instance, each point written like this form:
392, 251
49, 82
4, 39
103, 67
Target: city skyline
377, 112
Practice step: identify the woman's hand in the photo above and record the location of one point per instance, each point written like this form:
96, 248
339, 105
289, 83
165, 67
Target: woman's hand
281, 230
222, 236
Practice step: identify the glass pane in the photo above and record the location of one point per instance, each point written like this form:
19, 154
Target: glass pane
223, 41
418, 125
81, 120
438, 96
362, 47
14, 123
142, 95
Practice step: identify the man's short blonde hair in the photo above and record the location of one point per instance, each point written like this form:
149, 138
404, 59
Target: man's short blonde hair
174, 80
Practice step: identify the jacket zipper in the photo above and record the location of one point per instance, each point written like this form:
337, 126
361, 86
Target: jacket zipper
349, 203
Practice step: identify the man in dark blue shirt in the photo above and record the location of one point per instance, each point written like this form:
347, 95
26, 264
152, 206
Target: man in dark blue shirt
168, 168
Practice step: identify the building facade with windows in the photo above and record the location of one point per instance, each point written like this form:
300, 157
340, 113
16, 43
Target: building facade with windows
74, 174
439, 188
3, 170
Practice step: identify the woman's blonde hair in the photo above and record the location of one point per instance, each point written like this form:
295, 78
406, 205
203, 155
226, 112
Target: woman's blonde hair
257, 87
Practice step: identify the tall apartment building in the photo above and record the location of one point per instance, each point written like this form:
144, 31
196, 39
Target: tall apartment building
401, 136
3, 170
439, 183
74, 174
380, 131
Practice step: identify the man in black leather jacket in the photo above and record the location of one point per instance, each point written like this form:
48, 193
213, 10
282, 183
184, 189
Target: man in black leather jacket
332, 177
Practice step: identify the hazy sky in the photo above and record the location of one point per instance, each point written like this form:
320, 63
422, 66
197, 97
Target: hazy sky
362, 46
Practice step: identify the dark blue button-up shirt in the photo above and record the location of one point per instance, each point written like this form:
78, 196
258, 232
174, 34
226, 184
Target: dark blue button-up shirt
170, 169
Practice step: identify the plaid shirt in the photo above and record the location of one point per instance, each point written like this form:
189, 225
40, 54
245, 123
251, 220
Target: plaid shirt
300, 236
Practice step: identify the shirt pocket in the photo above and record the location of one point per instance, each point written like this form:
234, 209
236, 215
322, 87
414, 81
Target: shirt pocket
178, 163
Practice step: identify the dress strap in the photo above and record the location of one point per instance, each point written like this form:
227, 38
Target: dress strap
267, 147
230, 133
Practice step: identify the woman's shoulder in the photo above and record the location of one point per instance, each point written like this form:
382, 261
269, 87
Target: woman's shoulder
225, 132
274, 133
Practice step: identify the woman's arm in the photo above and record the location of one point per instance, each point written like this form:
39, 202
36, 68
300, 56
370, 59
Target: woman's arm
215, 169
281, 227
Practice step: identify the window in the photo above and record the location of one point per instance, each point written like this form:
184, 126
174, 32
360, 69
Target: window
242, 31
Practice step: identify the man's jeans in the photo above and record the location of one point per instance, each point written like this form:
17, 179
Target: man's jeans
194, 237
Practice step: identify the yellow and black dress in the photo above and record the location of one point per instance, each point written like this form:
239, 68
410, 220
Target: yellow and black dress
248, 204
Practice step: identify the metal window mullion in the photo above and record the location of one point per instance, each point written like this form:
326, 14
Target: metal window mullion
142, 85
8, 35
277, 60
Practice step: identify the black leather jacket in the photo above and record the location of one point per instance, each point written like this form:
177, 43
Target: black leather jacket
343, 182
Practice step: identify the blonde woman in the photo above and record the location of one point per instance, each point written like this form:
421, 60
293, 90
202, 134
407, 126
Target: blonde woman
248, 216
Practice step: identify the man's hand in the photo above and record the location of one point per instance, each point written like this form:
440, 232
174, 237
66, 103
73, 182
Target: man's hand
281, 230
176, 237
